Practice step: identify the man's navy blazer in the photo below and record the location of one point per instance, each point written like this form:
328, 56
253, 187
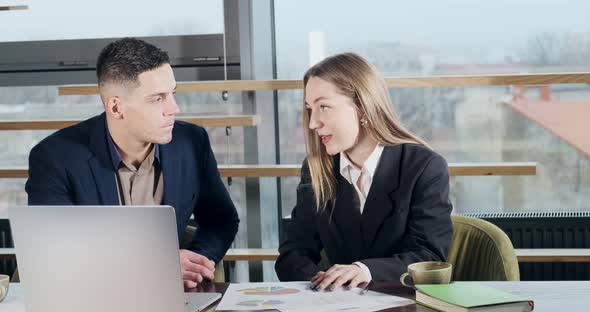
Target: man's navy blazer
73, 167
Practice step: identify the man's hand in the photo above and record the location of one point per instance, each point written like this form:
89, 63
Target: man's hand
339, 275
195, 268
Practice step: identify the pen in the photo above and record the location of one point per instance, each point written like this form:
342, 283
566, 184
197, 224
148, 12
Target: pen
367, 287
313, 287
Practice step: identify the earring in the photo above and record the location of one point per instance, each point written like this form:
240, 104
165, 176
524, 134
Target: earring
364, 123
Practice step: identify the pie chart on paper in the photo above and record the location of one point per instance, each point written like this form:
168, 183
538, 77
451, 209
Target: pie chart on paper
260, 303
269, 291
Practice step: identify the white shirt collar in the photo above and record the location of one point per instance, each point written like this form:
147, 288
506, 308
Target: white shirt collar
370, 165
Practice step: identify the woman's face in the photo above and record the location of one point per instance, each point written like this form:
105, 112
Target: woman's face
333, 116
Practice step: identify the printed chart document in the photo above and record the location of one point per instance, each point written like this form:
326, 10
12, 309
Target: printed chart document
296, 296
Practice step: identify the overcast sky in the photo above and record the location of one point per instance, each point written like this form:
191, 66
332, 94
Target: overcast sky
438, 23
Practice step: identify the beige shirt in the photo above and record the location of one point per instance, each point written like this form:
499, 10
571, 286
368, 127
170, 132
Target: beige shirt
137, 186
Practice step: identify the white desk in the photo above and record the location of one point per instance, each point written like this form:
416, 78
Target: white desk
14, 302
549, 296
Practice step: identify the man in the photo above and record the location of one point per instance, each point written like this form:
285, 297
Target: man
135, 153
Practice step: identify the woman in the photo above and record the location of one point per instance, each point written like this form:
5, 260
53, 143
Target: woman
372, 195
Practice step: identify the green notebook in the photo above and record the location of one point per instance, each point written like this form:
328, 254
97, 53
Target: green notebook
470, 297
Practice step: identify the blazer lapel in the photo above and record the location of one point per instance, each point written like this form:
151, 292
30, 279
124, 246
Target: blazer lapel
101, 165
326, 216
171, 171
385, 181
105, 180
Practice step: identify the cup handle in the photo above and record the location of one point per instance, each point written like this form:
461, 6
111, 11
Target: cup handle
403, 278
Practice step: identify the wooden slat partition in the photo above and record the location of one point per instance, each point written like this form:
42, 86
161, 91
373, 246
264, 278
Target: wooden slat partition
394, 82
7, 253
204, 121
257, 171
455, 169
488, 80
251, 254
14, 173
553, 255
523, 255
247, 254
493, 169
13, 7
202, 86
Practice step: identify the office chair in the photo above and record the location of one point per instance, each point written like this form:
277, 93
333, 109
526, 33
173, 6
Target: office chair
480, 251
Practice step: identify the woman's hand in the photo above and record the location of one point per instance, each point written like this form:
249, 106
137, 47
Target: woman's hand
339, 275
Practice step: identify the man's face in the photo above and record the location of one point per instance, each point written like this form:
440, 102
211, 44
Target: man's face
148, 110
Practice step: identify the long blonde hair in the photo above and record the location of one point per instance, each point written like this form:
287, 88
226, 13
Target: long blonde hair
355, 78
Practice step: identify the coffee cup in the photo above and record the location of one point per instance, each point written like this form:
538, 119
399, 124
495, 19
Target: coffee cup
428, 272
4, 282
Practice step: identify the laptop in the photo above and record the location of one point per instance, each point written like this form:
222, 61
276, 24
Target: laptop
101, 258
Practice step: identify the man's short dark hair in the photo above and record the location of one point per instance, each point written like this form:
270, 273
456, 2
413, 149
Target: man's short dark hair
123, 60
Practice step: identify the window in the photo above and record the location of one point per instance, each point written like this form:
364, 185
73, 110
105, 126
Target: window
464, 124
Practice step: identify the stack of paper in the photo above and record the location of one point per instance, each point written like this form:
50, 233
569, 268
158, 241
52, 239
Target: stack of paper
296, 296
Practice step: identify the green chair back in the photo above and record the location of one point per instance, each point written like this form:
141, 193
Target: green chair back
15, 278
480, 251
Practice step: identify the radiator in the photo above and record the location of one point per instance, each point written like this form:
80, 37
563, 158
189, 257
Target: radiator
546, 230
7, 265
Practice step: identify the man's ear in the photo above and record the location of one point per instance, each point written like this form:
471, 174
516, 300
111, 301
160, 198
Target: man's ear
114, 107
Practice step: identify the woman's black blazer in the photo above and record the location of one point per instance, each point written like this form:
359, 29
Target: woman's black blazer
406, 219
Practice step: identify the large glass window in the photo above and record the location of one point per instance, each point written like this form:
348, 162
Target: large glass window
30, 93
423, 38
464, 124
43, 103
36, 60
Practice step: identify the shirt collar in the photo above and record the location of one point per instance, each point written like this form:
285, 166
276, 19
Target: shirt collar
370, 164
116, 157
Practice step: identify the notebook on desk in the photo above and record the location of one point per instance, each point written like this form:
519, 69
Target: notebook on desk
101, 258
470, 297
